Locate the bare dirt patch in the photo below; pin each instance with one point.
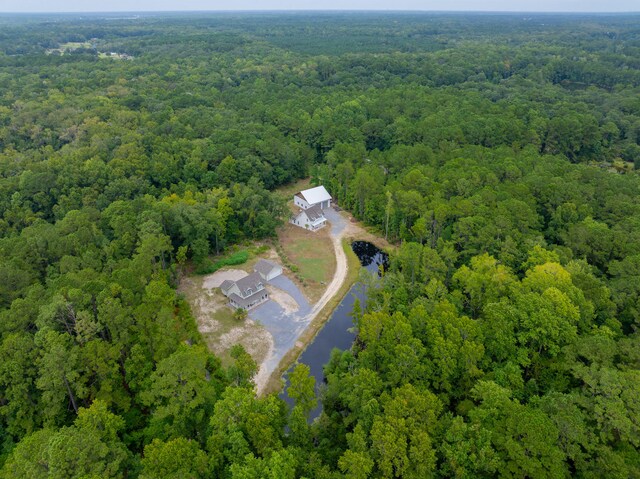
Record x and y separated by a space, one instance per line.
216 279
283 298
255 339
215 320
356 230
208 307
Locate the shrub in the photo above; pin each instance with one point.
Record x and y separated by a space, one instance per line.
208 267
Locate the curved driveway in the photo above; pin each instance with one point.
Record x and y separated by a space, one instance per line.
285 327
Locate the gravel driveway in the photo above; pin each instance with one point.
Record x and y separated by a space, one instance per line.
338 223
286 327
290 287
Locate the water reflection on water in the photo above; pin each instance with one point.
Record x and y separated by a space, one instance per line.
370 255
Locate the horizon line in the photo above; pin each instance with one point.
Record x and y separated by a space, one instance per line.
320 10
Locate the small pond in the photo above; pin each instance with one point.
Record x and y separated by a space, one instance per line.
335 332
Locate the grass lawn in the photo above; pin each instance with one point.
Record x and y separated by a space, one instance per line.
312 252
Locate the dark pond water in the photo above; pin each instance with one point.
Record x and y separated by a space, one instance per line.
335 333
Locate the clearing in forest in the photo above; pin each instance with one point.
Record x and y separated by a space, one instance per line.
315 276
312 253
271 329
287 191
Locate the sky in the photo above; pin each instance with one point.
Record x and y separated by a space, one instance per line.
426 5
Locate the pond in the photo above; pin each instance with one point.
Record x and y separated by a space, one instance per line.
336 331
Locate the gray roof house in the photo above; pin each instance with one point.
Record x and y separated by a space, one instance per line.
245 293
226 286
311 218
267 270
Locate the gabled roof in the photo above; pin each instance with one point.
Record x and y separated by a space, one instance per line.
315 195
314 213
227 284
245 302
264 267
252 282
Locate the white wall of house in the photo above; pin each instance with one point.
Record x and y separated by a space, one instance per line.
300 202
258 300
277 271
303 221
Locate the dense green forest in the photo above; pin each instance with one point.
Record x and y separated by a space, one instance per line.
499 152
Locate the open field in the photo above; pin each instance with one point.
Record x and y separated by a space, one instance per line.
74 45
68 47
312 253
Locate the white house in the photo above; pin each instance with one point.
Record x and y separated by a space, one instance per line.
311 218
267 270
315 196
245 293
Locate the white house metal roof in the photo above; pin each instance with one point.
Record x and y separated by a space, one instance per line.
315 195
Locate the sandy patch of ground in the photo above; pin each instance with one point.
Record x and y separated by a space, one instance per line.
215 320
272 255
216 279
283 298
204 304
206 308
262 377
358 232
255 339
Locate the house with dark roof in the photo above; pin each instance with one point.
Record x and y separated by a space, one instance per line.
246 292
267 270
311 218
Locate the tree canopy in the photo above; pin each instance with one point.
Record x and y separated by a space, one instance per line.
499 153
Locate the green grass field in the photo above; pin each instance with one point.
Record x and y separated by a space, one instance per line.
312 253
315 264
